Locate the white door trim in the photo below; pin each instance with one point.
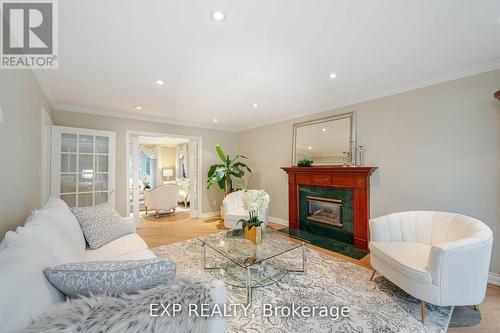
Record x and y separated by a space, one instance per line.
45 156
129 133
56 158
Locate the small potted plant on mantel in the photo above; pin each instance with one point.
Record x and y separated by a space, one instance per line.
254 201
304 162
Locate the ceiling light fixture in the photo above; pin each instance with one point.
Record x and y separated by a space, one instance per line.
332 75
218 15
215 120
138 107
160 82
323 129
310 148
255 105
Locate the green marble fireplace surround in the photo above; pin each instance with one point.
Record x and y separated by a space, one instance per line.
346 232
338 239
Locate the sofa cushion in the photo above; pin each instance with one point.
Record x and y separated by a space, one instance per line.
408 258
99 278
24 290
123 245
48 232
137 255
100 224
59 211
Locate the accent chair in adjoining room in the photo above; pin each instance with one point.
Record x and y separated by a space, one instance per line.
437 257
162 197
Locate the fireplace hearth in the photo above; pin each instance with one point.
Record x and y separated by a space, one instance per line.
325 210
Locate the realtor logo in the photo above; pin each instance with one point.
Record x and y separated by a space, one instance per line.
29 34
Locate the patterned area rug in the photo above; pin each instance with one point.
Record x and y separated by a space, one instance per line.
377 306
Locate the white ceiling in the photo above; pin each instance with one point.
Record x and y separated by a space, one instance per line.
275 53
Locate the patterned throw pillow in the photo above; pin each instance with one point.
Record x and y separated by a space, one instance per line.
111 278
100 224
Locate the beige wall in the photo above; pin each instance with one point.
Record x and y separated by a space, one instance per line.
437 148
211 199
168 159
21 99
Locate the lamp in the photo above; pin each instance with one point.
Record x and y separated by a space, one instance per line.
168 173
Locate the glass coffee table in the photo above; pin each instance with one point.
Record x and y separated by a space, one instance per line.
248 265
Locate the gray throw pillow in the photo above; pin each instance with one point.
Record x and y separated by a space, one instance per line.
111 278
100 224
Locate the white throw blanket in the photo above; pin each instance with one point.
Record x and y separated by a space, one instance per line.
129 313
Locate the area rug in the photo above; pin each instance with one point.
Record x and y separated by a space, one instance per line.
377 306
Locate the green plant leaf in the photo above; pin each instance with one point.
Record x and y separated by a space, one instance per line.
212 169
243 165
237 172
221 153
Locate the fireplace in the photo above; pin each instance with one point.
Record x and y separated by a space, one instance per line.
344 215
324 210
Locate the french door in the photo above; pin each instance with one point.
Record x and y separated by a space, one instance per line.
83 166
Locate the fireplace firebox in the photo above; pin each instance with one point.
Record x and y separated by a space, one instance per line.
325 210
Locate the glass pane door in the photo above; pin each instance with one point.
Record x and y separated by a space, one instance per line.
84 174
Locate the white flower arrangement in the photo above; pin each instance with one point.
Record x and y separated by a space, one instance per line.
253 202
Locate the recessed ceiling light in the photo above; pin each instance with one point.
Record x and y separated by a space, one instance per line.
138 107
332 75
255 105
160 82
310 148
215 120
323 129
218 15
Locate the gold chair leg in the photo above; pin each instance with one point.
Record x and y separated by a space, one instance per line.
422 310
372 275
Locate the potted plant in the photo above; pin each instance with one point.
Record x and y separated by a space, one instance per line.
222 173
304 162
254 201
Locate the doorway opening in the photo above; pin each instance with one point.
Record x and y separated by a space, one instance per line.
163 174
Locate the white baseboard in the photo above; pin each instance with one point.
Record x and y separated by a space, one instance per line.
210 214
278 220
494 278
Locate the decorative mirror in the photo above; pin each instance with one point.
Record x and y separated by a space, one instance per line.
326 141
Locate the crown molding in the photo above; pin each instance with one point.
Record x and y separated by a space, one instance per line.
132 116
460 74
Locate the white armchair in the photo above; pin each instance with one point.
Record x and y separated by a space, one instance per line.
232 205
437 257
184 191
162 197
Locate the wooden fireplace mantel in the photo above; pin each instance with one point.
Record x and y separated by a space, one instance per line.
355 178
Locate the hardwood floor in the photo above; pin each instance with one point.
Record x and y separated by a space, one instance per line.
170 229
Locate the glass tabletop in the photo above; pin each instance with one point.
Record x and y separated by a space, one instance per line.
233 245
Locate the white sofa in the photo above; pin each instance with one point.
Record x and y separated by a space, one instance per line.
50 237
437 257
162 197
233 211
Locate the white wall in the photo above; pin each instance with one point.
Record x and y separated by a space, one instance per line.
437 148
21 99
211 199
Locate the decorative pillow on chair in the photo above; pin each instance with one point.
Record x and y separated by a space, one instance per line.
100 224
111 278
